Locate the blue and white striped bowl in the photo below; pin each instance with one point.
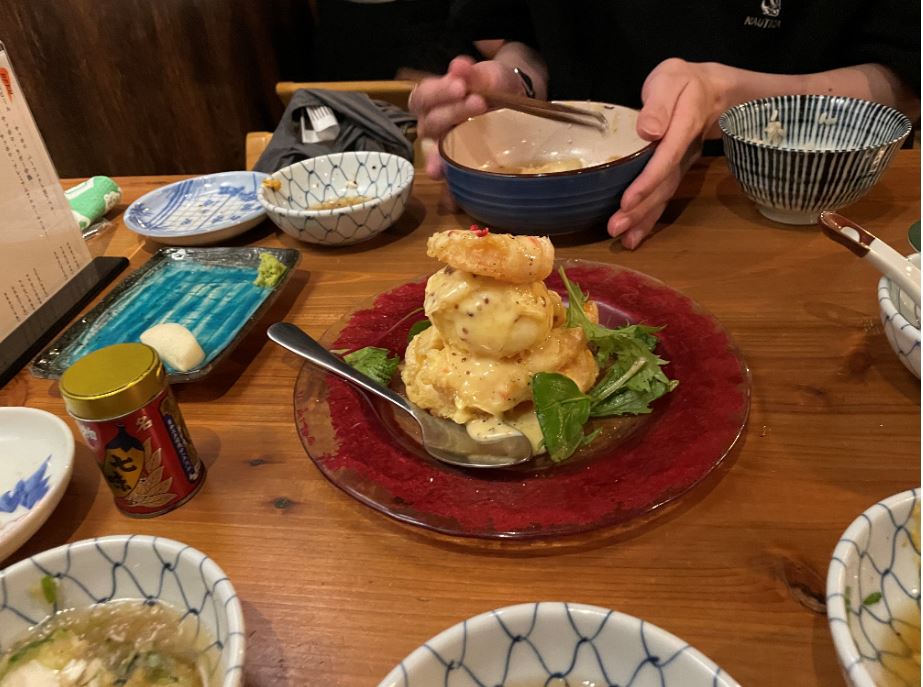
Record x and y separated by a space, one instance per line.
554 643
830 151
873 594
900 318
149 569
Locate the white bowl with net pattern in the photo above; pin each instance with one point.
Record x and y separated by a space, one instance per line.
338 199
148 569
873 594
556 643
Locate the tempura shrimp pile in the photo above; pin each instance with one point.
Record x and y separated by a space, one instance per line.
494 325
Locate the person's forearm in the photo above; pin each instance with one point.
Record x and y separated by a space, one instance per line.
520 55
866 81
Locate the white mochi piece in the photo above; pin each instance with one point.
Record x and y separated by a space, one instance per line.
175 345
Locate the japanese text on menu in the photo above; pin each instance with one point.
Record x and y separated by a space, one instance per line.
41 247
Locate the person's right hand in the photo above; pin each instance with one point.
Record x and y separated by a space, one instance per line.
444 101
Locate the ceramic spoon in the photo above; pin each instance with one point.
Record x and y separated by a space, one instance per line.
444 440
887 260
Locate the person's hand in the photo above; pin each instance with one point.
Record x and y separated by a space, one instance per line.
442 102
682 102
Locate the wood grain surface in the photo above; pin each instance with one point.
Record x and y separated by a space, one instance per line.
336 594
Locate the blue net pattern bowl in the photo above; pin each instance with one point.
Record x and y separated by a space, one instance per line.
383 180
150 569
873 594
549 643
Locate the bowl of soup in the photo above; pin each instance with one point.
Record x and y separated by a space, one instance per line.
873 595
520 173
120 610
556 643
338 199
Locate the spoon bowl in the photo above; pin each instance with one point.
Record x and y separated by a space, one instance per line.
446 441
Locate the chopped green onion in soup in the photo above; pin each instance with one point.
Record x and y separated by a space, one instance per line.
123 643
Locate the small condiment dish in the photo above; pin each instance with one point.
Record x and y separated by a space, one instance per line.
555 643
338 199
149 569
873 594
36 462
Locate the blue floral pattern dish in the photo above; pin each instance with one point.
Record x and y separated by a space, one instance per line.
555 643
36 461
873 594
149 569
199 211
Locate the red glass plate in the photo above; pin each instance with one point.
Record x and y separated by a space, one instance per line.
636 465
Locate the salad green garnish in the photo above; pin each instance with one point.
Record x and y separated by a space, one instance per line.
375 363
631 381
418 327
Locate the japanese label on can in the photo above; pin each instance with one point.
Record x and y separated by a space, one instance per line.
147 457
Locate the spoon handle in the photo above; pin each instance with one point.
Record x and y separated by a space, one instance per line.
297 341
866 245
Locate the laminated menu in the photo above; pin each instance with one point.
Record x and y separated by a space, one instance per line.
46 272
41 247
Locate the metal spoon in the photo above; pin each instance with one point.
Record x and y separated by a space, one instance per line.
443 439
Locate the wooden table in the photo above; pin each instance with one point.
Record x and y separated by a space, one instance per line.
336 594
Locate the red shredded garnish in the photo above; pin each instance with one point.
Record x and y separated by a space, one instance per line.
479 231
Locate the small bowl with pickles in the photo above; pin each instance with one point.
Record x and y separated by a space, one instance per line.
338 199
124 610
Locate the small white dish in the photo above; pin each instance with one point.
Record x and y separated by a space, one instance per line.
548 643
873 590
379 185
200 211
36 462
150 569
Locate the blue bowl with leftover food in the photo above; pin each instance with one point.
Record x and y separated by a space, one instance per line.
519 173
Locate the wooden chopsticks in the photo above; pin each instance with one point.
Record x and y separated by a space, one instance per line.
542 108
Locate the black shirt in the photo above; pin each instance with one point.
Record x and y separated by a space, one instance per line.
604 49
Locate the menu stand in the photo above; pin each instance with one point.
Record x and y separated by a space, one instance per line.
30 337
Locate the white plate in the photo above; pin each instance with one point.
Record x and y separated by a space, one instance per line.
199 211
36 461
549 642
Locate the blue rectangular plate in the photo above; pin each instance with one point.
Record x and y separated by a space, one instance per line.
209 291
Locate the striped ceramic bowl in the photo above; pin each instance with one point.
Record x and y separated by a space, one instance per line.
796 155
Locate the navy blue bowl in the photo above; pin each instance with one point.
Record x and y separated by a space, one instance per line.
494 167
797 155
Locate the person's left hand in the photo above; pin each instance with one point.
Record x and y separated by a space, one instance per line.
682 101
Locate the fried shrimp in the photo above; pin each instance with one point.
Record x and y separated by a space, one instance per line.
513 259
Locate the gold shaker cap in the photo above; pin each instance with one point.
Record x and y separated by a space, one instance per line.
112 381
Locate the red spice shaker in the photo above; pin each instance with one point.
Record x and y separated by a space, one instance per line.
127 414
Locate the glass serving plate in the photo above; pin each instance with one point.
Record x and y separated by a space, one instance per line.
636 465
